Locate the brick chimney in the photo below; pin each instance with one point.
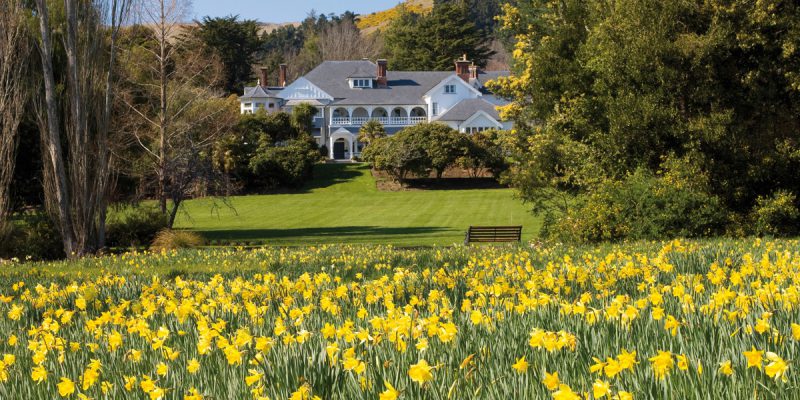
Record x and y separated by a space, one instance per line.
382 67
262 77
462 68
282 75
473 72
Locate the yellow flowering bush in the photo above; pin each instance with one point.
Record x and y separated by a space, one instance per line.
346 322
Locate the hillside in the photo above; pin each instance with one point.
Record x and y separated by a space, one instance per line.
263 27
369 23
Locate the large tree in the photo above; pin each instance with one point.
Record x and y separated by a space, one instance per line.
236 43
77 181
433 41
175 111
483 13
603 90
14 50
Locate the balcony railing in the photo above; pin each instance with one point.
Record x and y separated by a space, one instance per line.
387 121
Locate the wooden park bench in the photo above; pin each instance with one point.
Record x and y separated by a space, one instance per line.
489 234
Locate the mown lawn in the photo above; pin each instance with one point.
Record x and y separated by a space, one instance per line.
343 205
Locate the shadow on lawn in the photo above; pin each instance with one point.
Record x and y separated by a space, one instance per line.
326 175
343 232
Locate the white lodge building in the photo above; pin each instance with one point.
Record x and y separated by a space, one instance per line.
349 93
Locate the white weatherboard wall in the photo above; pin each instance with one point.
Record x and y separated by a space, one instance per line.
260 103
446 101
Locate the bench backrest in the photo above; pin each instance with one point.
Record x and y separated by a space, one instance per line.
494 234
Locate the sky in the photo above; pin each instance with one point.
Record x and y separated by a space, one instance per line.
284 10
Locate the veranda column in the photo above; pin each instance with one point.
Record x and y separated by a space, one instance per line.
408 114
351 148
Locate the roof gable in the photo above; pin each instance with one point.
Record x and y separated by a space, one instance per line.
481 113
302 88
453 78
466 109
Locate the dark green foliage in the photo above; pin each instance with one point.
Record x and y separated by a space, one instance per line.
483 152
619 87
640 206
236 42
260 153
134 227
776 215
443 145
416 150
32 235
434 41
303 118
399 156
482 12
289 164
277 46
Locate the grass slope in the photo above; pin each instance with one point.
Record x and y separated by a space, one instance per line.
342 205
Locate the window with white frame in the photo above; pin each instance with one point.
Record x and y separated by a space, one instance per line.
434 109
362 83
449 89
476 129
271 105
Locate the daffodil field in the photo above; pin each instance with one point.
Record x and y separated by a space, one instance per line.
672 320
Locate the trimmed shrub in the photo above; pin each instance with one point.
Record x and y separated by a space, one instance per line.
483 153
169 239
399 156
289 165
776 215
443 145
134 227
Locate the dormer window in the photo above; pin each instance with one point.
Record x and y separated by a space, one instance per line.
449 89
362 83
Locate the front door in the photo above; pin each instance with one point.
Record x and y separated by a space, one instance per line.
338 150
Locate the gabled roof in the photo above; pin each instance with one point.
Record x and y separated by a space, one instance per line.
330 79
258 92
404 87
467 108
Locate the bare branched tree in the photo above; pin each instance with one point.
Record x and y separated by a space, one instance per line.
78 181
338 40
190 169
344 41
14 50
163 18
176 77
